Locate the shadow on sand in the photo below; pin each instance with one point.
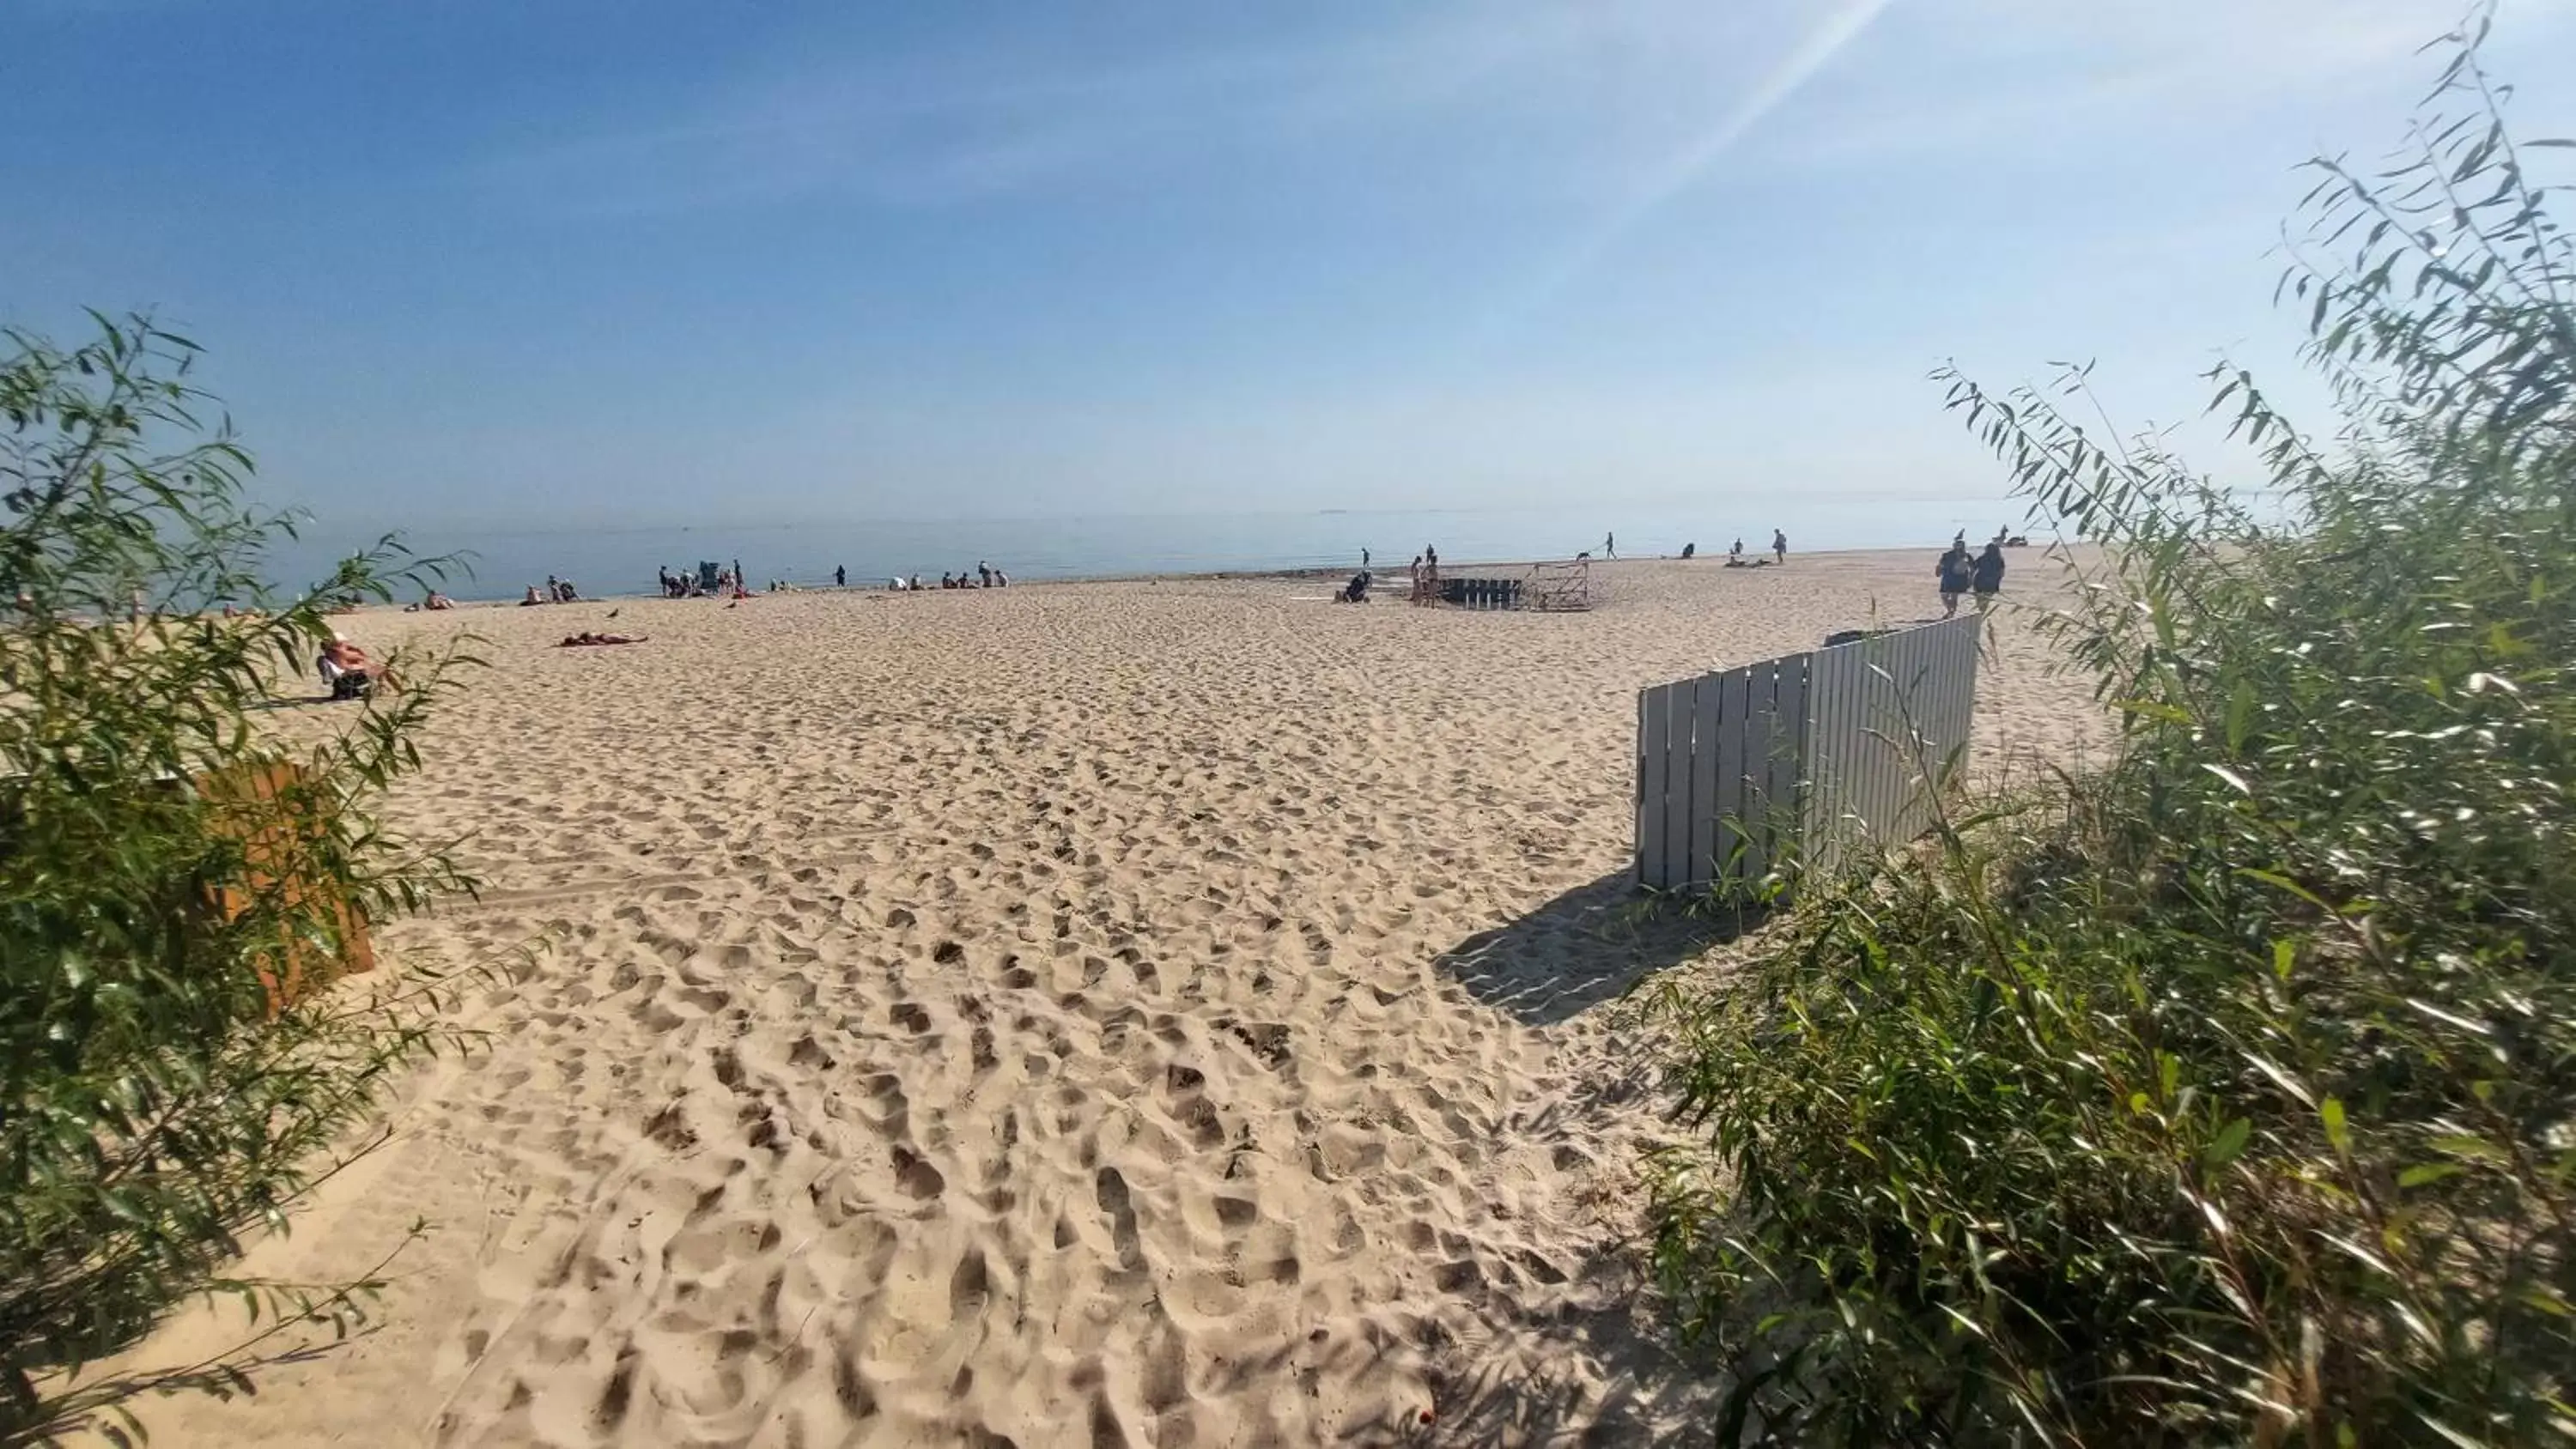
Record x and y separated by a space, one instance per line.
1650 1396
1585 947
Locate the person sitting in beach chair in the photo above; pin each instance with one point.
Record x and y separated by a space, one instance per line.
346 670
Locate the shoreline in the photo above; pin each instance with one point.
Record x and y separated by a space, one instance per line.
1448 568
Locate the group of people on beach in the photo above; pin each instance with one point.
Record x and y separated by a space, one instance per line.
726 584
985 577
1961 573
557 591
1735 558
1425 572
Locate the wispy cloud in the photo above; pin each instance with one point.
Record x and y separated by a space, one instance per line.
2037 73
1614 107
941 129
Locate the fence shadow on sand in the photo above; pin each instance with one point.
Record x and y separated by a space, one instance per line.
1585 947
1646 1394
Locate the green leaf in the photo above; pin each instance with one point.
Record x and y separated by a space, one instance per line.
2280 1078
2228 1144
2330 1111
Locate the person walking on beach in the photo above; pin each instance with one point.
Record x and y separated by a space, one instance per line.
1780 545
840 577
1609 545
1952 571
1987 576
1363 560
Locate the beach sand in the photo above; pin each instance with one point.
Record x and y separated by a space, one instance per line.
1131 1013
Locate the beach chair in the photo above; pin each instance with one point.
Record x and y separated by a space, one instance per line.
342 683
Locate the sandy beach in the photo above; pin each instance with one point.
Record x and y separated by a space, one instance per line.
1176 1013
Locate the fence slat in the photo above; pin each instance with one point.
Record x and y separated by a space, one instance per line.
1641 812
1787 756
1708 710
1655 728
1829 791
1677 782
1733 843
1763 728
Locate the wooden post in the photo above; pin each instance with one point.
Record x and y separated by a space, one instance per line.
264 806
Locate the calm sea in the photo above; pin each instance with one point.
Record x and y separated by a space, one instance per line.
605 561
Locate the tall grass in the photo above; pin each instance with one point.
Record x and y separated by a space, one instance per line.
157 1102
2227 1094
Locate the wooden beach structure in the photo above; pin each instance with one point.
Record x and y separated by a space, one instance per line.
1544 587
1803 763
279 815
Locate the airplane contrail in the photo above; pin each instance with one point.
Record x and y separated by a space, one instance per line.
1677 174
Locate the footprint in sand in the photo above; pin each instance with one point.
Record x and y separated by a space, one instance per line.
1110 1188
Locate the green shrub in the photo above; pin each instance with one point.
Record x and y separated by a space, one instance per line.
149 1113
2228 1094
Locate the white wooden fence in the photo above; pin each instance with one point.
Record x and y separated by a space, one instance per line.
1800 761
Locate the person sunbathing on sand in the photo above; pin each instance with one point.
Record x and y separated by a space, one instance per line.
585 640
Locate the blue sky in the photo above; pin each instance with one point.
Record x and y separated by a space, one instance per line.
670 263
